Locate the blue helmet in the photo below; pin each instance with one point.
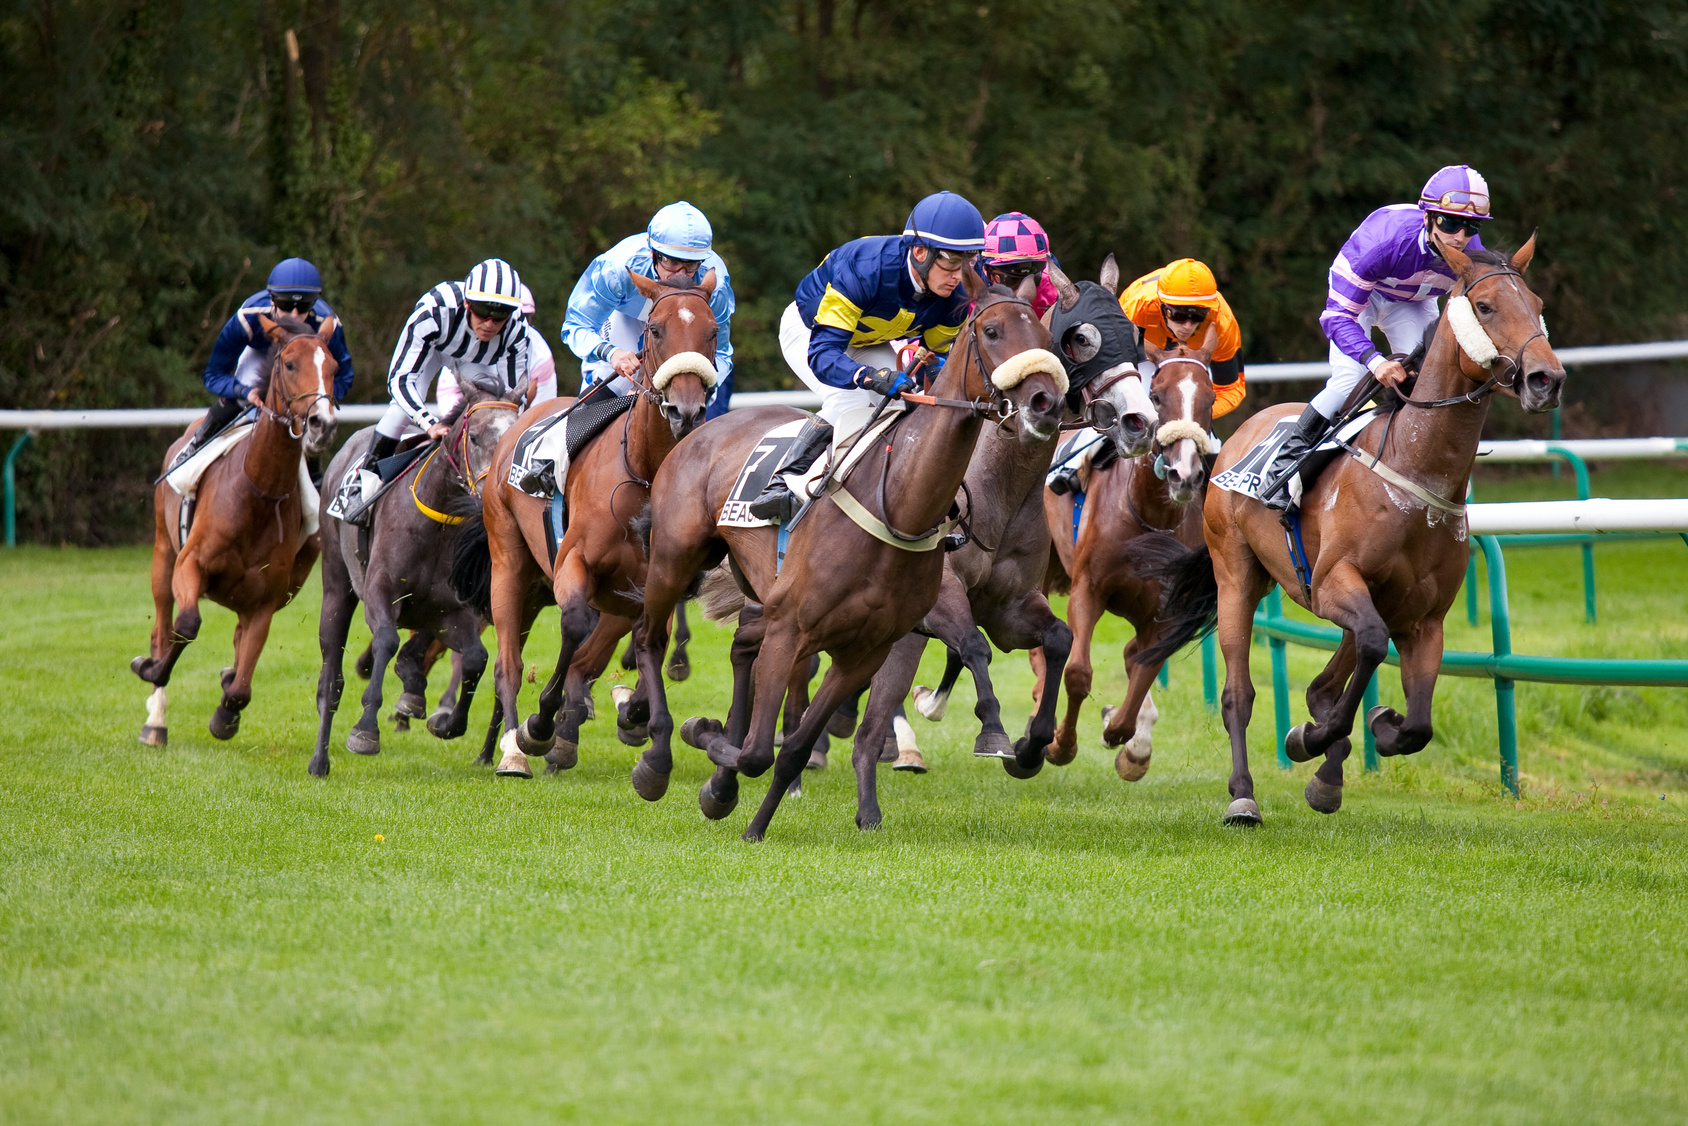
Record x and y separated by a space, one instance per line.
946 221
679 231
295 275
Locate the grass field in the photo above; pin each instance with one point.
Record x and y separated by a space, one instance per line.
206 934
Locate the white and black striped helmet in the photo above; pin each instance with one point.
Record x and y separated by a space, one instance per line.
494 280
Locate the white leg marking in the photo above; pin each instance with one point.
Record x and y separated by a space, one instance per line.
904 732
930 703
1140 746
157 705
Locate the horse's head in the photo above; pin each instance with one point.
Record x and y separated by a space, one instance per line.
1498 323
1182 393
479 421
1003 342
1099 347
301 382
678 356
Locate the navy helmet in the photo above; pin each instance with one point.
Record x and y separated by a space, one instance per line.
295 275
946 221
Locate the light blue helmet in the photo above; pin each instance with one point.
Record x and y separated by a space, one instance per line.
295 275
946 221
679 231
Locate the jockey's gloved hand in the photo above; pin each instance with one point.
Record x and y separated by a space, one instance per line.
884 381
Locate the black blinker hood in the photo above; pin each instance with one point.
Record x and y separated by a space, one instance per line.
1098 307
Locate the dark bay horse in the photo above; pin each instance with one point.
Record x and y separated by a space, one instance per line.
247 548
406 585
1386 546
843 589
1159 491
599 568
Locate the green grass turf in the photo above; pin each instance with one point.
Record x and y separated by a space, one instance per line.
206 934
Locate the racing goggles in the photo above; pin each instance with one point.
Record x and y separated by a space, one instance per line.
1460 202
293 302
1453 224
674 265
1013 273
1184 314
491 310
954 259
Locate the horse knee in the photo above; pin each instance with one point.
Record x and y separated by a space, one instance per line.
1371 643
1076 679
187 622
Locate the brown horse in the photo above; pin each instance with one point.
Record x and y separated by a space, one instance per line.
246 548
1160 491
843 589
1384 533
599 566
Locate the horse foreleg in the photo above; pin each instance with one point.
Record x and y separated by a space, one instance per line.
590 661
412 673
577 619
679 665
154 668
1421 657
1025 623
1133 722
339 603
669 573
1343 598
1327 687
1083 609
934 702
796 703
1241 582
468 664
747 643
237 692
365 736
889 686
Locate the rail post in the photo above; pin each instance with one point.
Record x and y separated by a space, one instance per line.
1280 677
1581 468
1506 715
12 486
1367 703
1210 675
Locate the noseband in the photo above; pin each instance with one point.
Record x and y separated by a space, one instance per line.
288 416
1510 367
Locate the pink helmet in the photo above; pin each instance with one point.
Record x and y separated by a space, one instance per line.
1015 237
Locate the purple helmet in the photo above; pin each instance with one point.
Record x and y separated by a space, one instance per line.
1458 189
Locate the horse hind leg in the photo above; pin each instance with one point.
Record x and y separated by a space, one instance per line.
1344 599
1133 722
339 603
878 725
934 702
155 732
680 665
408 664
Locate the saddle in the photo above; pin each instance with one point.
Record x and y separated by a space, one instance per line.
539 465
770 451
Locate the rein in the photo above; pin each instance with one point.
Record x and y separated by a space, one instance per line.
1490 385
469 480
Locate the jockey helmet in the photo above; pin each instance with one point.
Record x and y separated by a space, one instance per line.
494 280
946 221
1015 237
528 307
1458 189
295 275
679 231
1187 282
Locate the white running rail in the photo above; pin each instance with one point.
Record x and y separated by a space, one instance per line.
1597 514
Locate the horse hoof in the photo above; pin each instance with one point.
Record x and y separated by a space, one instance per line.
563 755
693 731
139 667
868 824
1375 714
1129 768
841 725
361 742
817 760
649 783
1015 770
751 836
155 736
317 769
910 761
401 722
412 706
1059 753
224 723
528 742
1244 812
439 725
226 677
713 806
633 736
1295 743
929 704
889 752
1322 796
679 670
514 763
795 790
994 744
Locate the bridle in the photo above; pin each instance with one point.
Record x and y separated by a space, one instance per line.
458 459
642 388
998 405
289 416
1509 368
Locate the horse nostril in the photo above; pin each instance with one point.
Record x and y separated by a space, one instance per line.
1134 425
1043 402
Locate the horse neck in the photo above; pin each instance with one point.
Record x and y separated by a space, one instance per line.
933 450
272 455
1003 471
1438 446
649 438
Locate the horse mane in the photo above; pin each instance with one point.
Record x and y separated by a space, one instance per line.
293 325
1491 257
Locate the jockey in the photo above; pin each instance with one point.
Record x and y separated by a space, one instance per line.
542 369
836 336
605 323
1016 247
1176 304
1387 275
240 359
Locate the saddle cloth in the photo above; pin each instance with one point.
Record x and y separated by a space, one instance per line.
186 484
185 477
1082 451
770 451
539 465
1248 476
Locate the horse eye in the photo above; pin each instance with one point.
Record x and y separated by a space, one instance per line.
990 331
1082 342
1483 308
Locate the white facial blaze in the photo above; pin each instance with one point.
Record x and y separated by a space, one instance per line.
685 316
1187 455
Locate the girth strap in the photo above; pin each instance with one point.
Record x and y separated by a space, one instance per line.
881 531
1375 464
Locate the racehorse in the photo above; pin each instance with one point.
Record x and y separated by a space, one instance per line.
861 567
405 583
247 548
1159 491
504 561
1383 530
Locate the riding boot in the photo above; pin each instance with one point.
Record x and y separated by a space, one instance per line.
1308 429
1064 480
777 502
366 482
222 412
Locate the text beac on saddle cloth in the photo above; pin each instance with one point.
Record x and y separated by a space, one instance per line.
770 451
1248 475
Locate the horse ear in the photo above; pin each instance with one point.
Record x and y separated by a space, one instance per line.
1210 341
326 332
645 285
973 283
708 282
1048 318
1064 286
1027 289
1521 259
1154 353
1110 275
272 330
1458 260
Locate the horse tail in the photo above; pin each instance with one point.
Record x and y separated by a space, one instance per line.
641 527
471 559
720 594
1189 595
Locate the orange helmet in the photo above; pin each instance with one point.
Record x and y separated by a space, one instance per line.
1188 282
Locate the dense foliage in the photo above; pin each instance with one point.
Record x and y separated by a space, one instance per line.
159 156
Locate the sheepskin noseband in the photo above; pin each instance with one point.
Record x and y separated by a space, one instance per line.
695 362
1011 372
1473 341
1179 429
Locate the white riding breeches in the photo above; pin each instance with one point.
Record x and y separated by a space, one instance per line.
845 409
1403 323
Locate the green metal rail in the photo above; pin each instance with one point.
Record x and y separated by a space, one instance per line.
1503 666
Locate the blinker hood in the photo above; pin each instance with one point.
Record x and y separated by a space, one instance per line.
1100 309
